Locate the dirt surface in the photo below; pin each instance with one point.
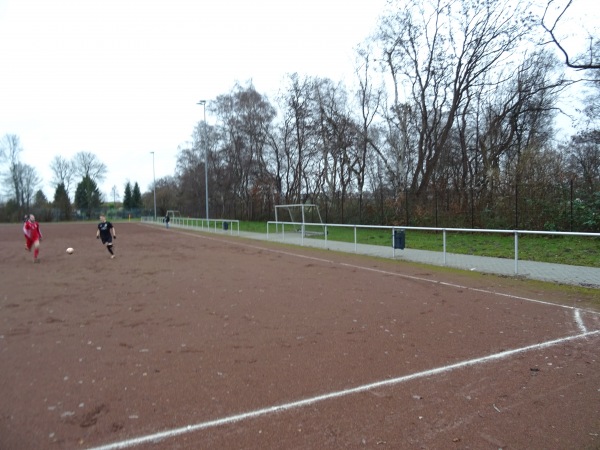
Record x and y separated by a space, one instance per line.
220 342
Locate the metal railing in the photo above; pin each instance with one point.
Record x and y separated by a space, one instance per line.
299 229
208 225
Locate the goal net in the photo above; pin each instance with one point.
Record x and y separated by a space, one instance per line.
173 213
305 217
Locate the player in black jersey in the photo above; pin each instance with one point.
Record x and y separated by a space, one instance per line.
106 233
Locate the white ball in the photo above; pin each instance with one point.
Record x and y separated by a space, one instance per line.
70 250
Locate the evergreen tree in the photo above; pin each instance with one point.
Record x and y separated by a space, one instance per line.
39 199
62 203
136 198
127 197
87 196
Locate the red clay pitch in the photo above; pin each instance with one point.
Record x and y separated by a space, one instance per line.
193 341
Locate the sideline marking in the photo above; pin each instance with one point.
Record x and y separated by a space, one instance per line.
385 272
579 321
460 286
577 311
156 437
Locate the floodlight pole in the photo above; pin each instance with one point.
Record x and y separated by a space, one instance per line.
154 185
203 104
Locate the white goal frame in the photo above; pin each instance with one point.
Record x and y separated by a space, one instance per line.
304 209
173 213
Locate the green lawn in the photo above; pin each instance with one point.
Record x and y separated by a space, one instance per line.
573 250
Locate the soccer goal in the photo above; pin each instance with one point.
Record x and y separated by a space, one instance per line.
173 213
306 217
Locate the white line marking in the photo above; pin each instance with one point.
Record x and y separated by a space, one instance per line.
301 403
577 311
332 395
459 286
412 277
579 321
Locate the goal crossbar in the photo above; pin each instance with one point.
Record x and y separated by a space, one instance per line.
302 210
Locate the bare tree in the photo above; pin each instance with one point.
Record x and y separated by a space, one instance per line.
114 191
517 115
10 150
236 150
370 100
436 51
190 173
583 156
245 118
63 172
166 195
24 182
5 144
337 133
87 164
301 150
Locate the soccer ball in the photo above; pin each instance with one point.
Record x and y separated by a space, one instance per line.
70 250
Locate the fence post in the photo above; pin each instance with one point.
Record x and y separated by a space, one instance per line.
516 252
444 240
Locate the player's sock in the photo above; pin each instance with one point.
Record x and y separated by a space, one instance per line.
109 247
36 252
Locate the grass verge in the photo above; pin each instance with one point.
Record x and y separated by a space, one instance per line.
572 250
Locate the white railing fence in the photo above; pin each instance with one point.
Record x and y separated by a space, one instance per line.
295 229
317 234
210 225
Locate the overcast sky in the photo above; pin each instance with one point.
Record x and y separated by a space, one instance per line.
121 78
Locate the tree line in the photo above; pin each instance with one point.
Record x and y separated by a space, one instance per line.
21 183
450 122
450 119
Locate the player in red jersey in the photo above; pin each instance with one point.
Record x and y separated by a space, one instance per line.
33 236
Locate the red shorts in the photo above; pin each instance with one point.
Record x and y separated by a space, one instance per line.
29 243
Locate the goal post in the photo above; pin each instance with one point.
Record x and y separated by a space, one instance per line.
173 213
305 215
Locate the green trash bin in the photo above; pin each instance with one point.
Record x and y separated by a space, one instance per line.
226 226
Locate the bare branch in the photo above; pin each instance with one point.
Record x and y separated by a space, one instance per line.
551 30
